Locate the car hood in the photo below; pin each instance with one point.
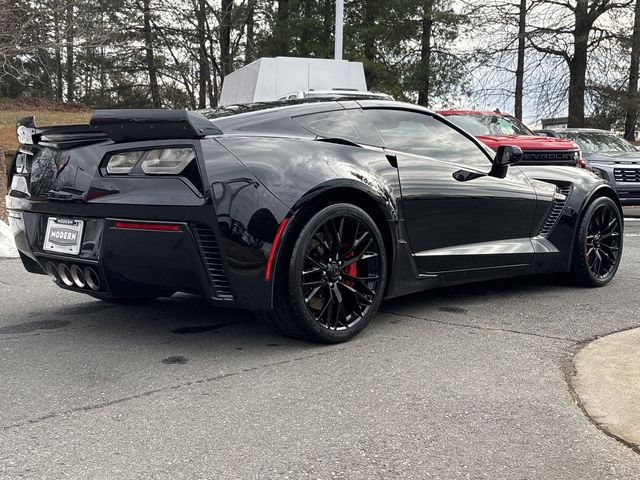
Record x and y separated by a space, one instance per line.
527 142
613 157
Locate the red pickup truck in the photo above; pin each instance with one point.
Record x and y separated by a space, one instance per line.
495 129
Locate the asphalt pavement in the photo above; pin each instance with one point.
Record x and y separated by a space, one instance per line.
466 382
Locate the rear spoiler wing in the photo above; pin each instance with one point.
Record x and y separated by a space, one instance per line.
120 126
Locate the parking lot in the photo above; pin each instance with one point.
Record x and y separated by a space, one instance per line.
466 382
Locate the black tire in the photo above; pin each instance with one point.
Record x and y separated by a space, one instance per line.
598 244
339 296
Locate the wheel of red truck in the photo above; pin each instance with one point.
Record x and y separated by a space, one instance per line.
331 277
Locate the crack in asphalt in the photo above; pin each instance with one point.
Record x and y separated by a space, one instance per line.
477 327
148 393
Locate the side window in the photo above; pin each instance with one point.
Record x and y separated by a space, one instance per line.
422 134
348 124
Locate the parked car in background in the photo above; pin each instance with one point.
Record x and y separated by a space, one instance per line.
609 156
496 129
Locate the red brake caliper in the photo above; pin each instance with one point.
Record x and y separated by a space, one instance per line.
351 270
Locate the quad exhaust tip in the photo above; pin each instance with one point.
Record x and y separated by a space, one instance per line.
74 276
52 271
65 275
92 279
77 275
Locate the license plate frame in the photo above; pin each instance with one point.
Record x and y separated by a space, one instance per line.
63 235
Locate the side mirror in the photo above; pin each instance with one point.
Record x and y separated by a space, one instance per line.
505 156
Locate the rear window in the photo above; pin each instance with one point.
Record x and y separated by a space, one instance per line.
346 124
599 142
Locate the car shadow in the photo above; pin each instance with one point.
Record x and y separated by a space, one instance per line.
189 321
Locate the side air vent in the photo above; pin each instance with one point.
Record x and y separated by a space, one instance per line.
557 207
212 261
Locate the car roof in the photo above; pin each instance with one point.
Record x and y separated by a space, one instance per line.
308 104
473 112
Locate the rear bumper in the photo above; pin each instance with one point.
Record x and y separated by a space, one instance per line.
130 263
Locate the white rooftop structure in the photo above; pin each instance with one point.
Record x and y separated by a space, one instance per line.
269 79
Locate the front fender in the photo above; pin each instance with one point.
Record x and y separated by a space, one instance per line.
585 187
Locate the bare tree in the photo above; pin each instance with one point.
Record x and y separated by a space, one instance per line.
568 29
633 102
150 55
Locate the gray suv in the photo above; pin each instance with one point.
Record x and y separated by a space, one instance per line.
609 156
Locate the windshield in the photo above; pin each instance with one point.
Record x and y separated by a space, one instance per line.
486 124
592 142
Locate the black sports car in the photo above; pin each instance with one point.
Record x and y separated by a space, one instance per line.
309 213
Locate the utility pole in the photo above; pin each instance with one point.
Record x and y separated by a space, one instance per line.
339 28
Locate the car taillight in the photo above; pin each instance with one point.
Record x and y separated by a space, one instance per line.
159 161
157 227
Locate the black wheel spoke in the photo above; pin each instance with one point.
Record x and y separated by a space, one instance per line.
339 309
327 304
360 256
318 265
312 271
313 293
359 281
359 296
356 245
322 241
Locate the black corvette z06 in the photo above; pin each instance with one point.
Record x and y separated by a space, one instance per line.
309 213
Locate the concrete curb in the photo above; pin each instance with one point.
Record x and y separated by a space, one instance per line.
631 212
607 383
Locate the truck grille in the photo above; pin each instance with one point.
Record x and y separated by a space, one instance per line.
557 207
541 157
213 261
626 174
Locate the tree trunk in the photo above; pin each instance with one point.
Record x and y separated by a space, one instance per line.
249 51
305 38
69 39
520 64
202 55
369 41
281 30
578 66
225 38
425 54
58 54
150 58
633 99
328 19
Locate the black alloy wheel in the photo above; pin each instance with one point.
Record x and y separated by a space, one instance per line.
599 243
341 272
335 279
